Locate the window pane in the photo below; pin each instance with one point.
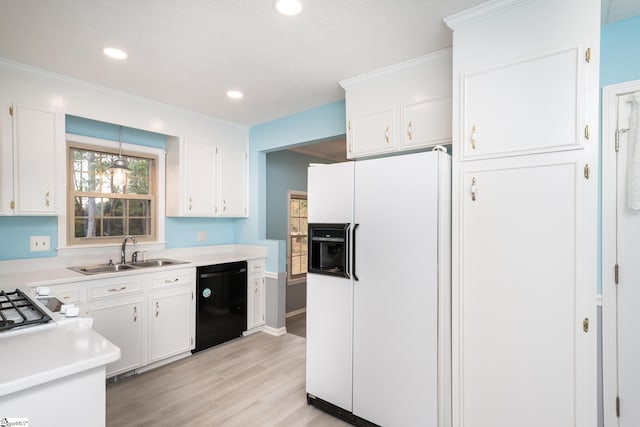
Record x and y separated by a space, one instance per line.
294 225
295 265
295 208
139 207
113 227
140 226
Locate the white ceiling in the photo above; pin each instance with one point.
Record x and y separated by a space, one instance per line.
189 53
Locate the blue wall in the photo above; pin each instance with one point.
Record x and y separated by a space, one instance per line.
286 170
322 123
620 52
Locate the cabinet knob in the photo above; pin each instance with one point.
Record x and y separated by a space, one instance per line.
474 181
474 145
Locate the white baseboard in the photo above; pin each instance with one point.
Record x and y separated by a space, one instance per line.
296 312
273 331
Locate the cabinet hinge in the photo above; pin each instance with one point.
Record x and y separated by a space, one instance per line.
587 171
349 125
12 204
585 325
246 156
216 150
191 340
587 55
617 140
192 295
616 273
587 133
618 406
11 110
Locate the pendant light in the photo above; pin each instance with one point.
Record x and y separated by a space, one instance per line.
119 167
119 163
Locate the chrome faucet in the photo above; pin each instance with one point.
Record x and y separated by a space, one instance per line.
123 258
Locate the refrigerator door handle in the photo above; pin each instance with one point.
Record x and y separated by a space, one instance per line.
353 253
346 257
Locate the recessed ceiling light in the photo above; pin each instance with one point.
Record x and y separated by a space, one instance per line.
114 53
289 7
235 94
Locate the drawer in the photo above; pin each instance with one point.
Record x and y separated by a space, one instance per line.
256 267
114 289
179 278
67 296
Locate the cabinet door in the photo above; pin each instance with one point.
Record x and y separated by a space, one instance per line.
121 323
199 178
426 123
170 318
521 295
370 134
530 106
232 200
257 302
35 135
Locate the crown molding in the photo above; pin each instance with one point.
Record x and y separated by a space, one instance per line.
481 11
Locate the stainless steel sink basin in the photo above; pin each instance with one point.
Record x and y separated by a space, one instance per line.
112 268
157 262
101 268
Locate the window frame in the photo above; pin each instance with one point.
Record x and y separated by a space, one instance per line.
67 242
302 277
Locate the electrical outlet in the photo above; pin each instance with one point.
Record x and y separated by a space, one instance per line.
202 236
40 243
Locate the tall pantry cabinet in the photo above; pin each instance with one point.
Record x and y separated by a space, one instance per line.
525 120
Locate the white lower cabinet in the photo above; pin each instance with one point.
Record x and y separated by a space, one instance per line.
151 317
255 294
121 322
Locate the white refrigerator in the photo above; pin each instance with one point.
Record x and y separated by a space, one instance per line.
378 341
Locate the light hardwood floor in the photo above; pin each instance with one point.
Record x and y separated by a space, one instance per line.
258 380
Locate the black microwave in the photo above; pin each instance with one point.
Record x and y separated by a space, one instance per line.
329 249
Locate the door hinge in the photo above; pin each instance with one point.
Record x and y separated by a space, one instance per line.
616 272
587 171
585 325
587 55
618 406
11 110
587 133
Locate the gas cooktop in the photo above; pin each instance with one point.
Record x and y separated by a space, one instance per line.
17 310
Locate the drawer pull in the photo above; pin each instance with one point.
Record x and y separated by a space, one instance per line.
66 297
172 281
122 288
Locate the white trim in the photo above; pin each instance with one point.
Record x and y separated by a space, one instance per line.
393 68
609 291
271 275
296 312
159 153
479 12
277 332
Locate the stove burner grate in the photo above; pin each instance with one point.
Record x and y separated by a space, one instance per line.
18 310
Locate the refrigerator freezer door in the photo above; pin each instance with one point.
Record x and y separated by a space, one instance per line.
395 340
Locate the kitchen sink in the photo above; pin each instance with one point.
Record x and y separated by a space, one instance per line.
101 268
158 262
112 268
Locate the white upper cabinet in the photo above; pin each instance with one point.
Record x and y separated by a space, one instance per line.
205 180
33 146
232 191
403 107
522 79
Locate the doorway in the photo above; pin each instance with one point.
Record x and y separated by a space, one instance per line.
620 246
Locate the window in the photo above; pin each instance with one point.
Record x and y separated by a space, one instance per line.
103 207
297 235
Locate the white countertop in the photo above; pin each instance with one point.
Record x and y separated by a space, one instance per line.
52 271
48 354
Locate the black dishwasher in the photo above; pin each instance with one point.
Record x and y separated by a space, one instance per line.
221 311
